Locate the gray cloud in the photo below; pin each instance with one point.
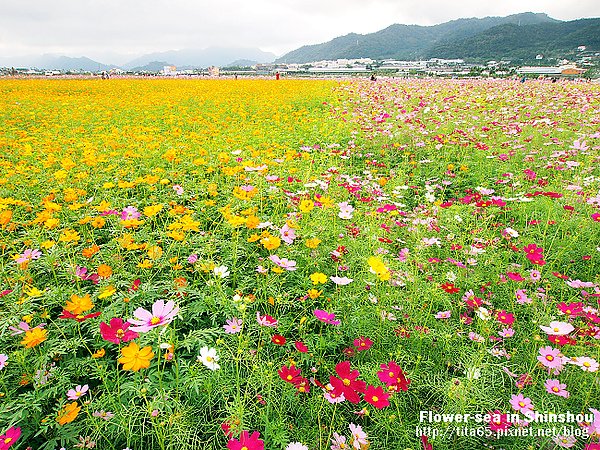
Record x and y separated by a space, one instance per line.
106 28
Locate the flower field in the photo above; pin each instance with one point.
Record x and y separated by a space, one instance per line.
299 264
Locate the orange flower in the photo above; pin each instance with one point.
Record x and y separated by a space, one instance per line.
34 337
90 251
78 305
68 414
135 359
104 271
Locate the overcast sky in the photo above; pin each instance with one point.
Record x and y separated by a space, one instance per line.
122 29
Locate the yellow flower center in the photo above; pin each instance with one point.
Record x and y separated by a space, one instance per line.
587 364
346 382
155 320
120 333
391 374
7 440
521 404
375 398
244 448
290 378
556 329
550 357
555 389
209 358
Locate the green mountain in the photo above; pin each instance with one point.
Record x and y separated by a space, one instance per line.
470 39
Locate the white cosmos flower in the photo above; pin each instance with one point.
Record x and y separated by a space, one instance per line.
221 271
209 357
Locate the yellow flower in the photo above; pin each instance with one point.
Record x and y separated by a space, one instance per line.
271 242
318 278
107 292
98 222
155 252
51 223
69 236
46 245
313 293
153 210
135 359
146 264
306 206
34 337
78 305
313 242
378 268
68 414
252 222
176 235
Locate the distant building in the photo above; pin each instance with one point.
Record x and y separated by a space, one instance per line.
581 48
539 56
169 70
213 71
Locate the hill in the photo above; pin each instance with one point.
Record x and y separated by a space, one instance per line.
516 36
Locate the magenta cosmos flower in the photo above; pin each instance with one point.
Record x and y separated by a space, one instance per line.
326 317
247 441
162 314
117 331
9 438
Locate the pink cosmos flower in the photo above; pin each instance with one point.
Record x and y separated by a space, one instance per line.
586 364
324 316
507 332
178 189
551 358
443 315
594 427
332 396
558 328
556 387
522 297
233 326
565 441
359 437
192 258
3 359
130 213
287 234
79 391
521 404
162 314
284 263
106 415
338 442
29 255
346 211
341 281
23 327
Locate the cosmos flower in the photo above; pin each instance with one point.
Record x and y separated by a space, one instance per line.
558 328
209 357
162 314
135 358
557 388
233 325
325 317
117 331
341 281
76 393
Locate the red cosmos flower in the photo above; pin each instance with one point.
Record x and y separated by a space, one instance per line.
392 375
499 421
596 217
289 374
347 384
278 339
571 309
562 340
301 347
560 275
515 276
425 442
349 352
362 343
78 317
10 438
135 286
247 441
117 331
226 427
450 288
505 317
302 385
377 397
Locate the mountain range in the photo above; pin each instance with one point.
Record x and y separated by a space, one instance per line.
183 59
519 37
